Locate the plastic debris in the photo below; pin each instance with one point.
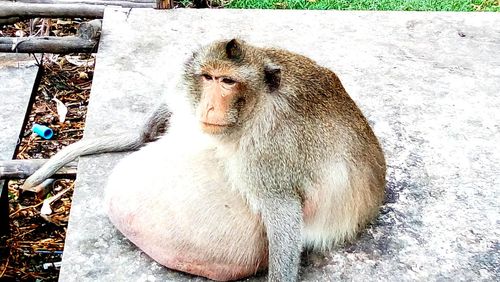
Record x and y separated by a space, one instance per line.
48 265
43 131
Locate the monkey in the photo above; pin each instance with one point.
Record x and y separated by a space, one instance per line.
265 155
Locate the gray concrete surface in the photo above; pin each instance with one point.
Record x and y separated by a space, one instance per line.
17 77
428 82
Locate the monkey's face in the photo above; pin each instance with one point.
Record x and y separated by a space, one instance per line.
226 82
220 102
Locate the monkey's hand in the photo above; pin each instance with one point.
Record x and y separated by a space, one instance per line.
282 217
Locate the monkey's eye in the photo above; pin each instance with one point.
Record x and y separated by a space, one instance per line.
206 76
228 81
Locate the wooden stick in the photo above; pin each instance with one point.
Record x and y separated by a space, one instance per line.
90 30
19 169
123 3
22 10
47 44
11 20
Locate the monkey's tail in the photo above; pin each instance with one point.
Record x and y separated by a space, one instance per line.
103 144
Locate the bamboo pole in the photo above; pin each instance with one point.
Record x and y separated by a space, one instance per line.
24 10
19 169
48 44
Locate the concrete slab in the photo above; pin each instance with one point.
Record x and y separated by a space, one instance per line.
17 77
428 82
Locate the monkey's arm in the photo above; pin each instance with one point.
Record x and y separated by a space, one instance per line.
282 217
153 127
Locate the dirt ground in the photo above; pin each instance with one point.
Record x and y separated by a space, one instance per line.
34 249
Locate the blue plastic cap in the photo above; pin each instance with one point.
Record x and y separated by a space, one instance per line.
43 131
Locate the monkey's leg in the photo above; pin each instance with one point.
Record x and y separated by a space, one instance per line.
183 215
343 200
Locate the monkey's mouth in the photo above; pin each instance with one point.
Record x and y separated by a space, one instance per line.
215 128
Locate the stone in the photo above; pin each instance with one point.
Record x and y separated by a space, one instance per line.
429 84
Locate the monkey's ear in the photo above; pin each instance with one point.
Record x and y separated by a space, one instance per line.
234 50
272 76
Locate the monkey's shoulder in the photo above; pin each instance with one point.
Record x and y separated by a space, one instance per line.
305 72
291 60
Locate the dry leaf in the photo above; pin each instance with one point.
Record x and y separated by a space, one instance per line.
83 75
20 33
62 110
77 61
63 22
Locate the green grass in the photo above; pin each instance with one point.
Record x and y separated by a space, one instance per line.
383 5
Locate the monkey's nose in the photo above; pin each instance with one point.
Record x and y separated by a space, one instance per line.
209 110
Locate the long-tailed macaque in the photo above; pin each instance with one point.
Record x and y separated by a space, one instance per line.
265 155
